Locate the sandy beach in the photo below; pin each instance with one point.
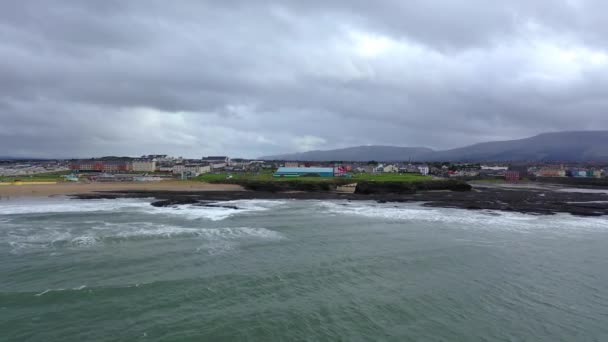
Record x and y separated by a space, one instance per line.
68 188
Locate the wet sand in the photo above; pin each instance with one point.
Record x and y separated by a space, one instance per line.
68 188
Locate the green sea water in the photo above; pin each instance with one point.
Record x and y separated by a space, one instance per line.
122 270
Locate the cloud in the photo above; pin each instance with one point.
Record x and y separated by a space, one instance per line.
257 78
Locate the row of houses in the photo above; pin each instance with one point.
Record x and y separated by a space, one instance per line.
294 168
164 164
570 172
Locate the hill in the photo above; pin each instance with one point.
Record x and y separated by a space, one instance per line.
558 146
359 153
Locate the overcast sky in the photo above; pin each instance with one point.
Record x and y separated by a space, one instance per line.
250 78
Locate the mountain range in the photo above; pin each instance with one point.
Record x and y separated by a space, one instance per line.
558 146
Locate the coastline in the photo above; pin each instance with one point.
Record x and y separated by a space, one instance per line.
67 188
538 199
528 201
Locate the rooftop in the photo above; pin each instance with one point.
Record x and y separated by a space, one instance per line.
304 169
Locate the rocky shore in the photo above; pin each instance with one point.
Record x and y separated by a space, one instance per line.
525 200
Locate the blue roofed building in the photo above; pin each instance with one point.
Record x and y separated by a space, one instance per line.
304 171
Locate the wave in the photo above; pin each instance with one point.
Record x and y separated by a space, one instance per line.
78 288
218 213
58 237
484 219
191 212
70 206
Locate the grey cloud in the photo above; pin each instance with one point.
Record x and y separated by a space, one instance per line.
257 78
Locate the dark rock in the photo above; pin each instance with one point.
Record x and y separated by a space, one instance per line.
518 200
174 201
219 206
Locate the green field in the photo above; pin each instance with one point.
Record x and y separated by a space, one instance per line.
391 177
34 178
268 176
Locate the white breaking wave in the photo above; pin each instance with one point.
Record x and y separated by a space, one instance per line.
59 237
217 213
70 206
78 288
191 212
484 219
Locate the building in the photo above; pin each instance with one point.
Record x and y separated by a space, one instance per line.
101 165
340 170
116 166
494 168
218 166
390 169
410 168
365 169
304 171
551 172
598 173
217 160
144 165
424 170
512 176
292 164
191 169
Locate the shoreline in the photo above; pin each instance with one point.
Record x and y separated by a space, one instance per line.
68 189
524 201
538 199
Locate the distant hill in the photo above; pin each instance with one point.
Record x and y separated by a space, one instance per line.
559 146
359 153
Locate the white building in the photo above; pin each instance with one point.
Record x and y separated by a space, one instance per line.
144 165
494 168
424 169
217 160
390 169
217 166
192 169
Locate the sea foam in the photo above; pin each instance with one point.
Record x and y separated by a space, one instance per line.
465 219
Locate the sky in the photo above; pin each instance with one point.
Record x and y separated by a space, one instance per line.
253 78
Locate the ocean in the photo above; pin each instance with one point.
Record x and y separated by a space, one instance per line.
122 270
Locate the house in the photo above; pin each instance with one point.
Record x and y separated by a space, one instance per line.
390 169
410 168
217 166
217 160
424 170
598 173
551 172
191 169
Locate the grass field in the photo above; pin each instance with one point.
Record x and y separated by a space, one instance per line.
38 177
267 176
34 178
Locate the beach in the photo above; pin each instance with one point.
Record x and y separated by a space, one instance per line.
70 188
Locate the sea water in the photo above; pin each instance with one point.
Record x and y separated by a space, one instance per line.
108 270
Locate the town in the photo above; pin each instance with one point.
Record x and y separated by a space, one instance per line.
160 167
